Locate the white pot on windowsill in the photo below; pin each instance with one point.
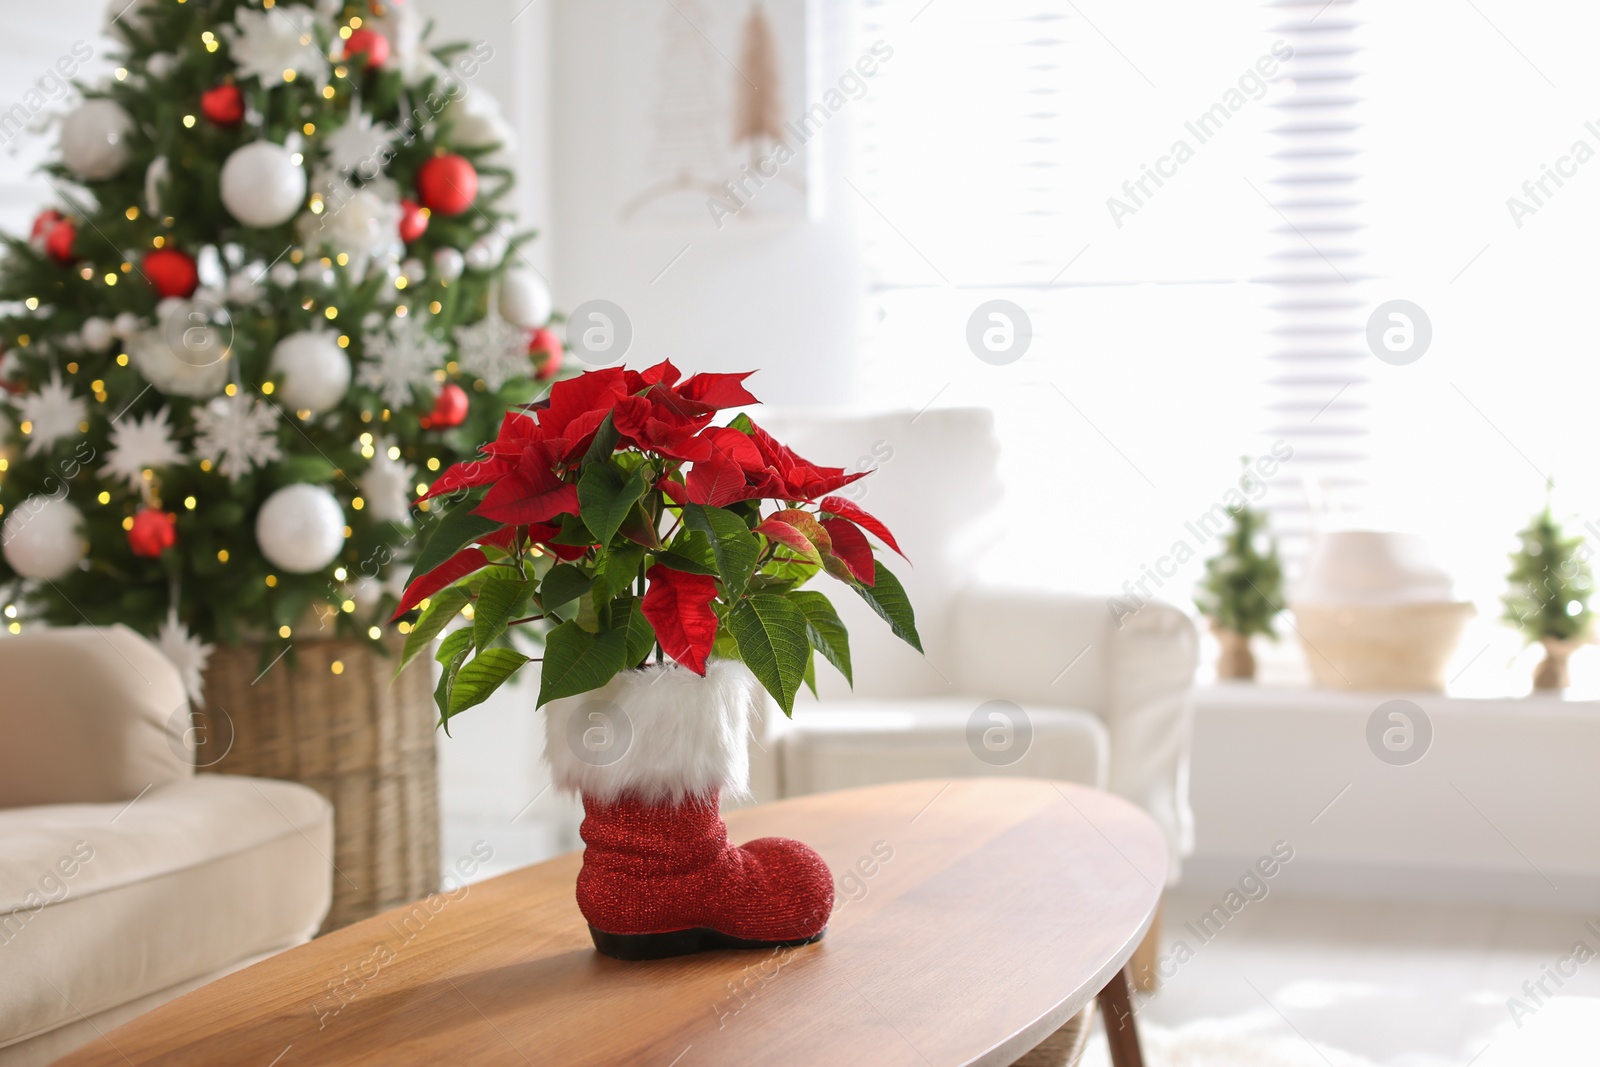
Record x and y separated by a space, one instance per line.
1375 612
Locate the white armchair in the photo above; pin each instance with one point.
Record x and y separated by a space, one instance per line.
1101 702
125 878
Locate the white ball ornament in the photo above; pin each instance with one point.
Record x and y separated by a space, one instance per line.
43 538
525 298
414 272
160 64
316 274
315 372
487 251
125 325
94 139
283 275
186 355
300 528
157 173
263 185
448 264
97 333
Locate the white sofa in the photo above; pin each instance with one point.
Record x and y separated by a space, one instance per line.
1106 704
125 878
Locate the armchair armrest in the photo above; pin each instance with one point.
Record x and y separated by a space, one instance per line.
1135 672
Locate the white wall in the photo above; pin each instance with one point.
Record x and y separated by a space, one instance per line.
778 296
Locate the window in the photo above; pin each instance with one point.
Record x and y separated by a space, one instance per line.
1183 322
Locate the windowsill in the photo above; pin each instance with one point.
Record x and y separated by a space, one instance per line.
1490 663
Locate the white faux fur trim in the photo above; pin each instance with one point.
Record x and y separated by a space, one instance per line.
660 733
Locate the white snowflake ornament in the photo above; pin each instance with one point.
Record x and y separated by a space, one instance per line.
401 359
237 433
387 485
54 412
186 652
267 43
493 349
137 443
359 146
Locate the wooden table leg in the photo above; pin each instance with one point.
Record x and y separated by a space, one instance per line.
1116 1011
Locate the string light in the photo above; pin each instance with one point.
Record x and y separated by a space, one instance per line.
358 503
267 388
188 122
374 633
104 497
189 502
222 556
284 631
344 341
337 667
340 574
272 581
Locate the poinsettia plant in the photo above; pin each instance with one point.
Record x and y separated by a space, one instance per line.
616 519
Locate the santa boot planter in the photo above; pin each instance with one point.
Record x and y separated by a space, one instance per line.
650 753
641 539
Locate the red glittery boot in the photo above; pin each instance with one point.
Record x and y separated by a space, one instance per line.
649 754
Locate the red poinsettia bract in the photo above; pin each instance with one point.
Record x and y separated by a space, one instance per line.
617 464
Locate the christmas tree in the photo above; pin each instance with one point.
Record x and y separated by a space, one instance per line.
1549 583
1242 590
278 293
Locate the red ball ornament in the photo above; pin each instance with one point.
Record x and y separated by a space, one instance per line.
59 241
449 408
223 106
43 225
545 348
152 533
413 220
447 184
374 45
173 273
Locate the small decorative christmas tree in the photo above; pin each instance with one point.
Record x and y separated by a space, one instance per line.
1242 590
1548 595
277 297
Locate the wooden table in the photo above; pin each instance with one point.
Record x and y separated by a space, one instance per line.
974 917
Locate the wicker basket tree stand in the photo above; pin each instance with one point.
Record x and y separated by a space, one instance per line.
333 721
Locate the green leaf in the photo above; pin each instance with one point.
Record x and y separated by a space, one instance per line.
564 584
459 528
497 599
604 443
734 547
482 675
687 564
605 496
888 598
639 528
811 672
825 630
618 569
641 637
576 661
772 642
442 607
453 648
451 652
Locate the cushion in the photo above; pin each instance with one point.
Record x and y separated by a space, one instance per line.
839 744
110 902
63 742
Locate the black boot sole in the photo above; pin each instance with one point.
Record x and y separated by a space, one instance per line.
680 943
